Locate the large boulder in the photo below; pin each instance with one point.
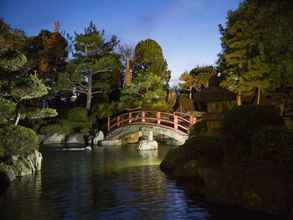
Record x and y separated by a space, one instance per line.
99 137
19 166
54 139
132 138
75 139
148 145
112 143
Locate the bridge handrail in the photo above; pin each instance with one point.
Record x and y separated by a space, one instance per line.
171 120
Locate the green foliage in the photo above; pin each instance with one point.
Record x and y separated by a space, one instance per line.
271 143
95 67
36 113
47 53
103 110
200 128
185 103
146 91
148 57
17 140
7 110
242 122
12 60
257 47
57 128
74 120
197 78
204 149
28 87
202 76
77 121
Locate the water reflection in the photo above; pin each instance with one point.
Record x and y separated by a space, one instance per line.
109 183
151 155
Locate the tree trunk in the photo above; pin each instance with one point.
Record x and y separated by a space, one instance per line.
89 93
17 118
258 96
190 93
238 99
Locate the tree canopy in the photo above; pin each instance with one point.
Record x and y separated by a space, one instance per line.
95 67
148 56
257 48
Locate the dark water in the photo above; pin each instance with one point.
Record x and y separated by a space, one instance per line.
115 183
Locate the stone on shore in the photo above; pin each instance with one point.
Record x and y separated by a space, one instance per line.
75 139
54 139
132 138
111 143
21 165
148 145
99 137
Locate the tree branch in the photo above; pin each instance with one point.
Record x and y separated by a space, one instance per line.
102 71
97 92
80 91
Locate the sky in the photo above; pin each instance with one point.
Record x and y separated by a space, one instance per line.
187 30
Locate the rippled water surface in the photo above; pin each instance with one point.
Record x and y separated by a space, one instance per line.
112 183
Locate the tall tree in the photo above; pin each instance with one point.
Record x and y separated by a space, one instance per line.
148 56
17 86
257 48
95 66
197 78
48 54
187 83
145 92
244 58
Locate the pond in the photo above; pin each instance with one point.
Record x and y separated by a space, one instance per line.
108 183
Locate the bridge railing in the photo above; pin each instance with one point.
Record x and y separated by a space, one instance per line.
176 121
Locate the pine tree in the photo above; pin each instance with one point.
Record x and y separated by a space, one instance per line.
95 67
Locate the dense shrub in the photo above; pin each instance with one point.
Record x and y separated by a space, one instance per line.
186 104
199 128
17 140
54 129
271 143
75 120
7 110
242 122
205 149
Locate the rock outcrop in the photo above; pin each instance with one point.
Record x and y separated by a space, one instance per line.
111 143
75 139
132 138
148 145
18 166
54 139
99 137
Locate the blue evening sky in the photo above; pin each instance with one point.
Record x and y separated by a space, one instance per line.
187 30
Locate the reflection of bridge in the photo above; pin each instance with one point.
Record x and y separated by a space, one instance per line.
172 125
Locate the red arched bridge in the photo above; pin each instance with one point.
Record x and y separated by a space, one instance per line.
173 125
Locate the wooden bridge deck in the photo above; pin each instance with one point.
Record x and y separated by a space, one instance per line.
177 121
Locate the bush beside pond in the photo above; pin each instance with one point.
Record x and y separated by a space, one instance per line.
247 165
17 140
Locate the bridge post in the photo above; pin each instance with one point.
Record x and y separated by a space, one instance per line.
175 121
129 117
118 121
192 120
143 116
158 116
